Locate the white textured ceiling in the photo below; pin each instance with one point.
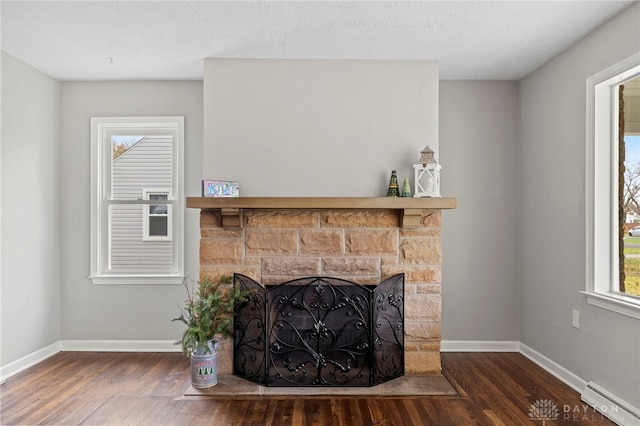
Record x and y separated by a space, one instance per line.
114 40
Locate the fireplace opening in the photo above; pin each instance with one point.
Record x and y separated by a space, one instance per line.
319 331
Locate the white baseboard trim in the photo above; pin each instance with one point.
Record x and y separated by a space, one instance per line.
604 402
478 346
86 346
610 405
559 372
119 346
27 361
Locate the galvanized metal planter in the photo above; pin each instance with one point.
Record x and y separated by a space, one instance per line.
204 365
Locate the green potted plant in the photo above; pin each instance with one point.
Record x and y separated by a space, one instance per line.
208 316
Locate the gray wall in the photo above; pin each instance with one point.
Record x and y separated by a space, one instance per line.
551 226
30 152
478 145
317 128
120 312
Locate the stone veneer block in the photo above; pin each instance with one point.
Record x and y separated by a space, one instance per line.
422 307
422 331
411 346
420 232
422 362
210 219
253 260
225 361
362 280
389 260
350 266
371 242
281 219
221 251
424 251
271 242
325 242
220 233
360 219
431 219
293 266
409 288
215 272
415 274
429 288
279 279
430 346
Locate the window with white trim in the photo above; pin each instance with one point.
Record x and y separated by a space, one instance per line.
609 282
137 178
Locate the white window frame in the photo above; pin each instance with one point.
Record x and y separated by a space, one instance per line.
102 128
146 192
602 253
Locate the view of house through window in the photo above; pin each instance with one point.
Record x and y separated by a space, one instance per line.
137 200
141 169
629 182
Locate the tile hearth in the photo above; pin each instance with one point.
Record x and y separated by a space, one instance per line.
231 386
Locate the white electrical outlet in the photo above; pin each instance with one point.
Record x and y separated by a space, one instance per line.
576 319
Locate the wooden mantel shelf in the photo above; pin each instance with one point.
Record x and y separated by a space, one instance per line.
411 207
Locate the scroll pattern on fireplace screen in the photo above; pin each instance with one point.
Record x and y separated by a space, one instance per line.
319 331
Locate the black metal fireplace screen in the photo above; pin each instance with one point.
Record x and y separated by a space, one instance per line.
319 331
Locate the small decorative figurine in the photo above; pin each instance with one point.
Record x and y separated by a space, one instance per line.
406 188
427 175
393 185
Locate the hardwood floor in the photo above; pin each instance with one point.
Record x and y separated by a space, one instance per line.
72 388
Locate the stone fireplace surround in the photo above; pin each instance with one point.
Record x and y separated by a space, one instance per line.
363 240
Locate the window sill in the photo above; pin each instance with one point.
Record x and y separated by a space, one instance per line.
624 305
137 279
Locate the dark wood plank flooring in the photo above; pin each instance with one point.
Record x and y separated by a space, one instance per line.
73 388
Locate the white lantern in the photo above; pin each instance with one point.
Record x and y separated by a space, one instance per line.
427 175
